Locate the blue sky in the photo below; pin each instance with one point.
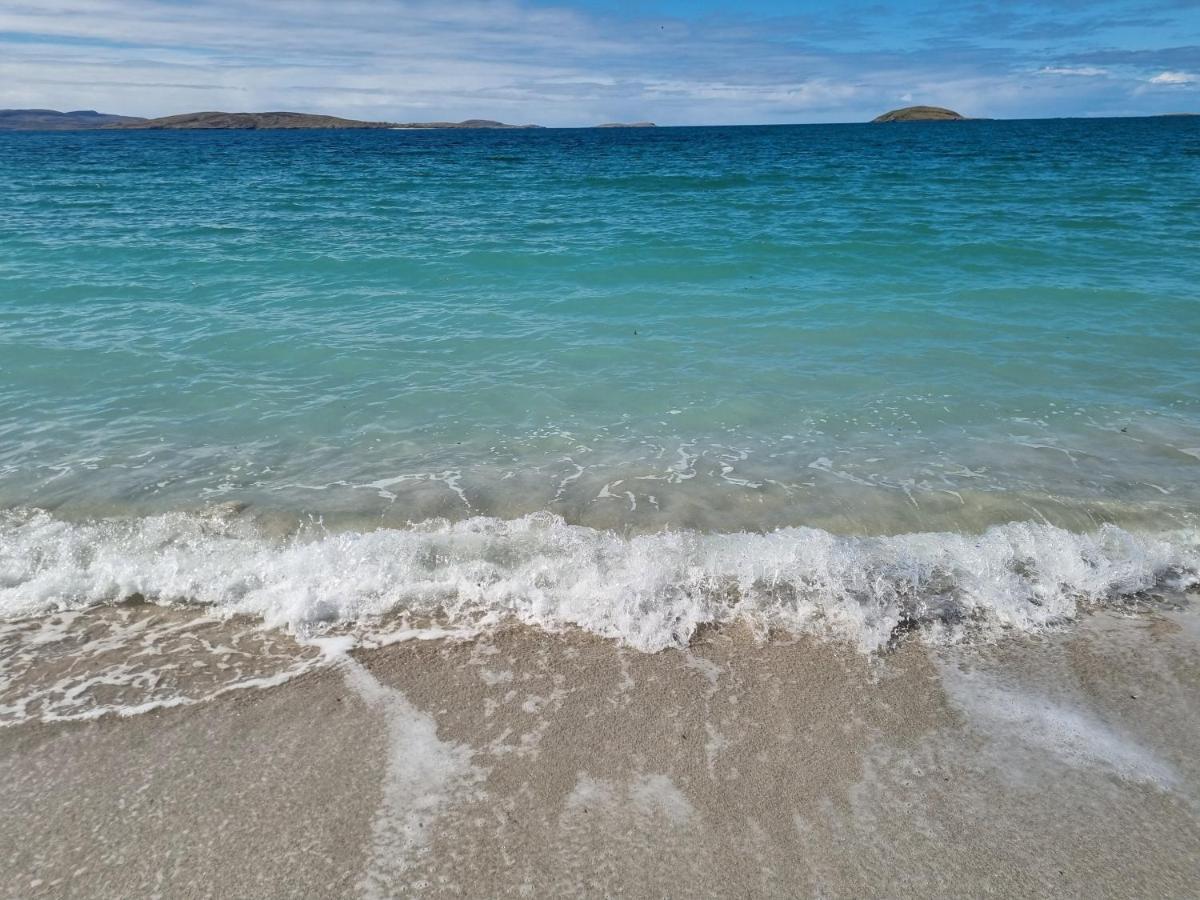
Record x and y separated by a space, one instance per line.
590 61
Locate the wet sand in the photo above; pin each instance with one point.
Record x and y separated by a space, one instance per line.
528 764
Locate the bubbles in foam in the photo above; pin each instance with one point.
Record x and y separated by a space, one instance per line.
650 591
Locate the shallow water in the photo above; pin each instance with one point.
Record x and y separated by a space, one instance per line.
648 341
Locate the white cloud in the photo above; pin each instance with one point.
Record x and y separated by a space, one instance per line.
1174 78
1080 71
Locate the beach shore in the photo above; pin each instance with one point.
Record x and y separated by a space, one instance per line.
529 764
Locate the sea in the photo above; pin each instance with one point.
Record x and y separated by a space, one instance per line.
263 394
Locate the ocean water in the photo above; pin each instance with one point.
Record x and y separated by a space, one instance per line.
850 380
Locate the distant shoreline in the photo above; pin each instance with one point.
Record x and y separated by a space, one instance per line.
42 120
91 120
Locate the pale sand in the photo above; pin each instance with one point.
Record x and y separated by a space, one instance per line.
527 764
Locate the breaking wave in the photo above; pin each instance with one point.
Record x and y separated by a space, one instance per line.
650 591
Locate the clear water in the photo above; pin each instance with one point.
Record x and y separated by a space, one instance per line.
835 339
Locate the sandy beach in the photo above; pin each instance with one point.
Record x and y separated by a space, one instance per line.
529 764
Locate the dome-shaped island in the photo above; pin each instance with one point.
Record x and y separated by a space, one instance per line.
920 114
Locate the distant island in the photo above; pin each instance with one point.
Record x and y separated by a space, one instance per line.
920 114
290 120
90 120
53 120
245 121
466 123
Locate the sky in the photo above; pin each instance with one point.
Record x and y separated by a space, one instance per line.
582 62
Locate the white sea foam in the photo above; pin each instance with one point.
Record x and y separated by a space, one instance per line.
1023 722
130 659
424 775
650 591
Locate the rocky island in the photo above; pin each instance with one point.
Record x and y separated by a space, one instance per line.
920 114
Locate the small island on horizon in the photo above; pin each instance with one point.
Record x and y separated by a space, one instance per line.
921 114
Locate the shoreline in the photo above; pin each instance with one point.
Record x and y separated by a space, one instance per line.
564 764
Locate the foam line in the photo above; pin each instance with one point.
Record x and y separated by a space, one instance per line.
650 591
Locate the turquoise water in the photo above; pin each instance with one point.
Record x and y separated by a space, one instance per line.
571 342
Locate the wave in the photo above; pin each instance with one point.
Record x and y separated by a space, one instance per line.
650 591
